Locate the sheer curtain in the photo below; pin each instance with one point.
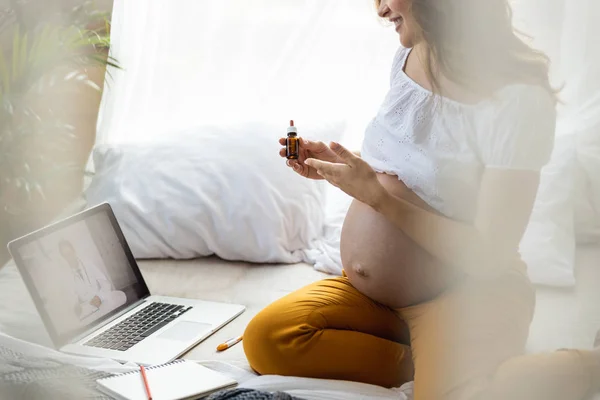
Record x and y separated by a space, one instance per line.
569 32
191 62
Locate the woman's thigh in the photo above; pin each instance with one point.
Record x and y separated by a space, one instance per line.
460 339
330 330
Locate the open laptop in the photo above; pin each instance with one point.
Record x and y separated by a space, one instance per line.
93 299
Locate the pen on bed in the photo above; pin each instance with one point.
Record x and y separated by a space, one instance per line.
145 379
229 343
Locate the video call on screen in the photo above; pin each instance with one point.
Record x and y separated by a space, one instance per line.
80 272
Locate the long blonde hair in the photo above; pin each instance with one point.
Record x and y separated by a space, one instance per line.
474 44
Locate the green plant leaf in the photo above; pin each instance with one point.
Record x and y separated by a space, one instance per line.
8 107
38 188
71 75
42 57
93 85
16 52
22 61
4 74
27 190
35 46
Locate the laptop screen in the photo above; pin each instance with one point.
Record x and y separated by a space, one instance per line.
79 272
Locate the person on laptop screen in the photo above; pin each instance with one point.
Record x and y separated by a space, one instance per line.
93 289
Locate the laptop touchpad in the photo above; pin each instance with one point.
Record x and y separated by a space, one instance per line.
185 331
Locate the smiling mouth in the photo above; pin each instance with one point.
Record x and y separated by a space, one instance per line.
397 22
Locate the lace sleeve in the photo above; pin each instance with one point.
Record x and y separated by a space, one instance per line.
522 132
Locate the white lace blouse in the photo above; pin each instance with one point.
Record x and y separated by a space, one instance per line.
439 147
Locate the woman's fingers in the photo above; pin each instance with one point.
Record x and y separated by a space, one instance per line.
298 164
282 152
343 153
303 155
298 167
310 145
314 147
319 165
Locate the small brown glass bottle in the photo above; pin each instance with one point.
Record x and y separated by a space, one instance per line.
292 143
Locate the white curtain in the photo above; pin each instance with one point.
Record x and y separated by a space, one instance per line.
192 62
568 30
580 52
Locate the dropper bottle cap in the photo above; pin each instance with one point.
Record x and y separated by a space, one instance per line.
292 128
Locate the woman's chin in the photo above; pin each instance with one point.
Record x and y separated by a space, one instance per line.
406 41
403 37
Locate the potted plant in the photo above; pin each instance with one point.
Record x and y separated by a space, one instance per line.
47 73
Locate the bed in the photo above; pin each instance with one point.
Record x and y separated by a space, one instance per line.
563 318
208 278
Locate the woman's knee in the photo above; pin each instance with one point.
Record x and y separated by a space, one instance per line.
277 335
269 339
287 329
259 331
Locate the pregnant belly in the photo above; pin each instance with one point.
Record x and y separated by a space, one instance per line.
385 264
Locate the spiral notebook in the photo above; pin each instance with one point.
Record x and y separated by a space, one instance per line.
178 380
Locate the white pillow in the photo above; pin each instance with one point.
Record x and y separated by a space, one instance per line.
212 190
585 127
548 246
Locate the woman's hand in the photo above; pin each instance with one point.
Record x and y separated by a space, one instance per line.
309 149
351 174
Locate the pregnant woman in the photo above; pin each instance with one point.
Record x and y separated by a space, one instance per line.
434 289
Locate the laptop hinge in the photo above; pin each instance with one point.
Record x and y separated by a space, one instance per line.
109 320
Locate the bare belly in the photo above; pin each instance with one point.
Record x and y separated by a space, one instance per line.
385 264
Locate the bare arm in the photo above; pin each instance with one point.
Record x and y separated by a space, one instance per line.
485 247
518 145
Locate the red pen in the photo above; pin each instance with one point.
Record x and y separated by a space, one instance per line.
145 378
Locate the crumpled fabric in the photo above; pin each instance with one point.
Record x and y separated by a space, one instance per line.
28 377
249 394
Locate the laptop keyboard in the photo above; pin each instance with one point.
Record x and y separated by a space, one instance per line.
139 326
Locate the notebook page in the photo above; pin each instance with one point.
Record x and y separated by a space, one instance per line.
174 381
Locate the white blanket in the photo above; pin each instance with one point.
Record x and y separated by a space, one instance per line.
305 388
19 318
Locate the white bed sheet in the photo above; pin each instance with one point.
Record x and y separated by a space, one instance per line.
254 286
210 279
309 389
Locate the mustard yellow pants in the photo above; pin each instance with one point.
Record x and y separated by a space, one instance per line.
469 343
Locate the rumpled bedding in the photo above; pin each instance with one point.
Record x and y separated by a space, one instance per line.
303 388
